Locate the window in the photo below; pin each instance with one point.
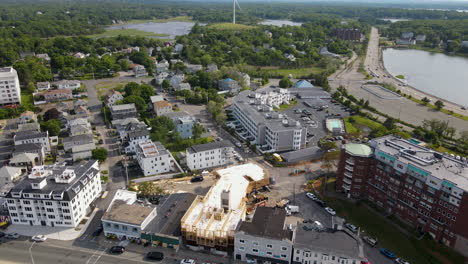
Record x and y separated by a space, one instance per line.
241 241
284 248
254 250
269 253
241 248
269 246
283 256
255 243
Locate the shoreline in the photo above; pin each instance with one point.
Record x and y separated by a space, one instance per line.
425 94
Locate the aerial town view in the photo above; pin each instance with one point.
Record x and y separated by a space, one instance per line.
234 131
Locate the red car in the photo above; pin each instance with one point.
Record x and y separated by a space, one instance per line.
365 261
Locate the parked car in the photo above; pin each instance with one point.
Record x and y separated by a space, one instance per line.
12 235
238 144
311 196
187 261
401 261
155 255
387 253
98 231
2 234
330 211
351 227
101 141
117 250
365 261
197 179
39 238
320 202
369 240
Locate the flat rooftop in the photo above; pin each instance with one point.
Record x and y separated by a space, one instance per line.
267 222
333 243
358 149
426 161
151 149
123 107
122 212
210 146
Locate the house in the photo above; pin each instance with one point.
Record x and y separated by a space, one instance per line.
56 95
464 44
43 56
161 77
213 154
176 80
407 35
35 127
25 54
193 68
9 87
162 66
178 48
405 42
41 86
156 98
27 117
79 55
229 85
164 230
34 148
80 110
420 38
183 122
64 193
265 238
113 98
140 71
125 218
24 137
25 161
70 142
162 107
84 151
290 57
183 86
123 111
9 174
77 121
324 52
124 126
325 247
134 138
80 102
79 129
212 67
153 158
68 84
211 221
245 79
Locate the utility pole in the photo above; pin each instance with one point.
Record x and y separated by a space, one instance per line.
234 11
294 193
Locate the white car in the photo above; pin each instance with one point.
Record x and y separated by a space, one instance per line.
401 261
39 238
187 261
330 211
311 196
12 235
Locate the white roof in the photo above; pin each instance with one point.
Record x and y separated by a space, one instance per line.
156 98
9 172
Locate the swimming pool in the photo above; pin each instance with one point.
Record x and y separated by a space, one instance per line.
412 140
334 124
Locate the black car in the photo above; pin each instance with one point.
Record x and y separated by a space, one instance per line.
196 179
98 231
154 255
117 249
320 202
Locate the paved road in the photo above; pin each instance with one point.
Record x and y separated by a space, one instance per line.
404 108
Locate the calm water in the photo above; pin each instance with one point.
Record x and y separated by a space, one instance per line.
393 20
280 23
173 29
434 73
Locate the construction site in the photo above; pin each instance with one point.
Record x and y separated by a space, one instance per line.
210 222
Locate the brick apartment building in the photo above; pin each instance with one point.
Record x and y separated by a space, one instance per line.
426 189
353 34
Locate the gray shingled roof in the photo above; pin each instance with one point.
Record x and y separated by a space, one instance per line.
210 146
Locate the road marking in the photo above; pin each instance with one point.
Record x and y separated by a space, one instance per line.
30 252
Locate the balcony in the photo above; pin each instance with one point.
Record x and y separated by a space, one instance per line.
347 181
350 162
349 168
347 187
349 175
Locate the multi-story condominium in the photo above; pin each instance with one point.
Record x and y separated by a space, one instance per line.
25 137
183 122
211 221
265 238
153 158
209 155
55 195
125 218
43 86
423 188
134 138
9 87
68 84
322 247
123 111
113 98
140 71
162 107
268 129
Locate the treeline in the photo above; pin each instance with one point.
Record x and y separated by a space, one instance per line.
448 34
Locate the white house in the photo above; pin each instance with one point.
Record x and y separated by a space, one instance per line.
68 84
125 218
134 138
140 71
153 158
43 86
24 137
113 97
213 154
55 195
9 87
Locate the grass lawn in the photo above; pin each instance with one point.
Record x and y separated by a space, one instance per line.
164 20
400 76
463 117
230 26
360 120
27 99
102 88
296 73
126 32
350 128
286 106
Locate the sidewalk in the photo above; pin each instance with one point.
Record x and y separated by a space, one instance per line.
58 233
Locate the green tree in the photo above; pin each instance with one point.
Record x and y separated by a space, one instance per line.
137 100
99 154
53 126
165 84
439 104
285 83
425 100
389 123
197 130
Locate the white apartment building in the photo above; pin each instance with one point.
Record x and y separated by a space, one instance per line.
209 155
25 137
10 92
153 158
265 238
134 138
55 195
